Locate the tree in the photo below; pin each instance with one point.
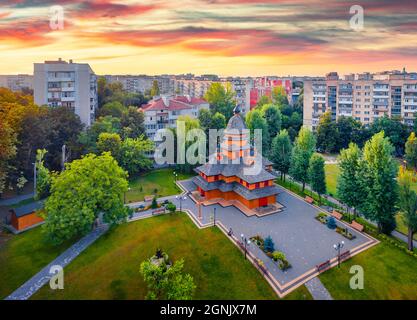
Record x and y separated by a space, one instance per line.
378 173
331 223
407 203
273 117
317 175
155 89
218 121
43 180
89 188
327 134
7 151
269 245
255 120
279 96
411 150
171 207
132 122
349 188
114 109
167 283
221 99
281 152
303 149
88 139
350 130
263 101
132 155
109 142
394 129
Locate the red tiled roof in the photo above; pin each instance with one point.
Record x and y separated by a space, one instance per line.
177 103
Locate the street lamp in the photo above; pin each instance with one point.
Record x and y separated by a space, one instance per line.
214 216
180 199
245 242
175 176
34 179
338 247
124 195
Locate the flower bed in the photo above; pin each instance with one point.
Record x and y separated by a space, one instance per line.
267 246
322 217
345 232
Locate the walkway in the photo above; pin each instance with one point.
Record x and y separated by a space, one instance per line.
43 276
318 290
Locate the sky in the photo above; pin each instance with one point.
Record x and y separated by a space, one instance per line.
225 37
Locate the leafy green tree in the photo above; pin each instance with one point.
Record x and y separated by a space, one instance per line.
327 134
132 155
378 173
279 96
317 175
88 139
155 89
110 142
411 150
43 180
133 123
263 101
273 117
407 202
349 188
221 99
7 151
88 188
304 147
350 130
255 120
171 207
167 283
218 121
114 109
394 129
281 152
204 117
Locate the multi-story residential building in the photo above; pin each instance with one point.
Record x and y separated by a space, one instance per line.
162 112
67 84
365 97
263 86
142 83
17 82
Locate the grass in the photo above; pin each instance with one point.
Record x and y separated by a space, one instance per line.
109 269
22 256
389 273
162 180
332 172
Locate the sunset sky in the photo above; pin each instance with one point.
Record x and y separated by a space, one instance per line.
226 37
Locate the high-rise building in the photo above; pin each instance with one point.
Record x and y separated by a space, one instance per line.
365 97
17 82
67 84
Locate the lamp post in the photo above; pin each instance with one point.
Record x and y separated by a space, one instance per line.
245 242
175 176
124 195
214 216
338 247
180 199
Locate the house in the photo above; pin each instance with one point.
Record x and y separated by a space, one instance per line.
25 217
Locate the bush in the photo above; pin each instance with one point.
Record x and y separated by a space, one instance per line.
331 223
258 240
171 207
277 255
269 245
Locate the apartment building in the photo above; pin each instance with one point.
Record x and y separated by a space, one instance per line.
17 82
365 97
67 84
163 111
142 83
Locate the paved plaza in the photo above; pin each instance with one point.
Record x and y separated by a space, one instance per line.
295 231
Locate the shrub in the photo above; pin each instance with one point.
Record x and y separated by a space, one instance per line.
277 255
269 245
171 207
331 223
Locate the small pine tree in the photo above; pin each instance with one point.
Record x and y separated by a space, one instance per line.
331 223
269 245
154 204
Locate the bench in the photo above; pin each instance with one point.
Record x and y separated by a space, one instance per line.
161 210
357 226
337 215
324 266
310 200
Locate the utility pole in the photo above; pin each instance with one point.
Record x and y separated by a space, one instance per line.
63 156
34 179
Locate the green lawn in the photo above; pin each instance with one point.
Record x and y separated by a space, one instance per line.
162 180
332 172
109 269
22 256
389 273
